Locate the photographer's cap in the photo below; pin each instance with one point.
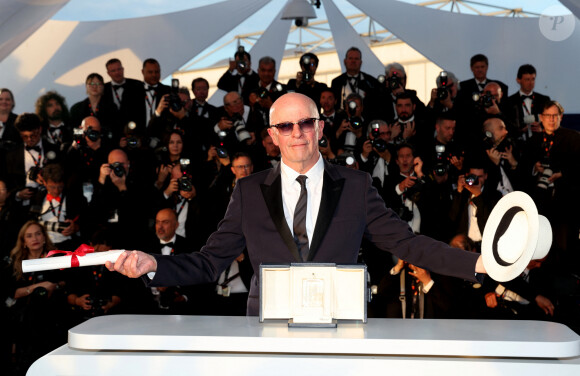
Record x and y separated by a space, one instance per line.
514 235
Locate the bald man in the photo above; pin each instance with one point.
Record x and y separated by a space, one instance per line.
305 210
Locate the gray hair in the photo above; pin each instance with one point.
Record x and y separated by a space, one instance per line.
396 66
450 76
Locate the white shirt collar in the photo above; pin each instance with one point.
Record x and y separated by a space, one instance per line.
170 241
313 174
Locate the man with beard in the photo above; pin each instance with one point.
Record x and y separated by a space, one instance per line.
53 112
408 128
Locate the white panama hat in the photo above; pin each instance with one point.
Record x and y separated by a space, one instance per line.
514 235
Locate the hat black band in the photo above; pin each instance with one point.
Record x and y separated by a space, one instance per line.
501 229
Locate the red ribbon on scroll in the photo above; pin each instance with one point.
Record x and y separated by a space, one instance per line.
80 251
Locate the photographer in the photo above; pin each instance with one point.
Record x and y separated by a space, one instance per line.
305 83
86 154
441 153
239 77
407 128
58 209
377 153
503 155
553 157
473 202
235 129
350 134
406 191
25 162
267 89
120 203
443 97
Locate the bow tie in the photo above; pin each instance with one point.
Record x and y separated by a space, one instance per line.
51 130
276 158
329 118
524 97
118 86
150 87
36 148
50 197
170 245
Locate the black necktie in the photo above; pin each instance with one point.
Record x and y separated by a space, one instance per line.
300 235
37 148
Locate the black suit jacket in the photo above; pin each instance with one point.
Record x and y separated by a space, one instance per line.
516 112
136 109
468 87
369 84
15 173
229 82
350 209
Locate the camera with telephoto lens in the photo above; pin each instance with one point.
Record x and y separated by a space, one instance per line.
442 90
483 99
184 183
118 169
441 160
544 178
413 193
239 126
55 226
345 159
488 142
394 82
471 180
323 142
377 142
173 99
355 121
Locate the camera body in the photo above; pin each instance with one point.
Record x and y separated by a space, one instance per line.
442 90
471 180
442 158
118 169
34 172
394 81
484 100
377 142
97 306
323 142
173 99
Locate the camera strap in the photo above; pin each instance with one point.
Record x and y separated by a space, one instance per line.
36 161
183 202
52 208
402 296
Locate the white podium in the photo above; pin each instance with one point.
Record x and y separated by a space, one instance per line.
209 345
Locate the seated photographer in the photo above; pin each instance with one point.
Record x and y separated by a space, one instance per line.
235 127
94 290
121 203
350 134
503 155
305 83
35 301
58 209
473 202
86 154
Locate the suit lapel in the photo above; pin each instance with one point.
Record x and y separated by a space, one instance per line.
331 191
272 192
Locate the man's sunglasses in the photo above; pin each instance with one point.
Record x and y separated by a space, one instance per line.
306 126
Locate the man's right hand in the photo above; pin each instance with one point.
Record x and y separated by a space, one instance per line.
225 124
133 264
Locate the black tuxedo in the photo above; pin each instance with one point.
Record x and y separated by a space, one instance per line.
312 90
484 204
350 209
516 111
106 112
132 95
229 82
15 173
468 87
137 111
366 83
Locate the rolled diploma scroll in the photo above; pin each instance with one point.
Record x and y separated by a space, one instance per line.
62 262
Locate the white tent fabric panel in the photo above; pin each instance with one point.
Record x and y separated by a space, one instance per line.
345 37
72 50
20 18
450 39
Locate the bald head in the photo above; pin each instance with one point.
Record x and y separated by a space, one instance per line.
166 224
293 99
91 121
494 89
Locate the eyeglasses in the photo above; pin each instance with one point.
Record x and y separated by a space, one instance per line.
306 126
243 167
93 84
551 116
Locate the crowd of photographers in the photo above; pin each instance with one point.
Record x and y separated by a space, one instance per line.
141 165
